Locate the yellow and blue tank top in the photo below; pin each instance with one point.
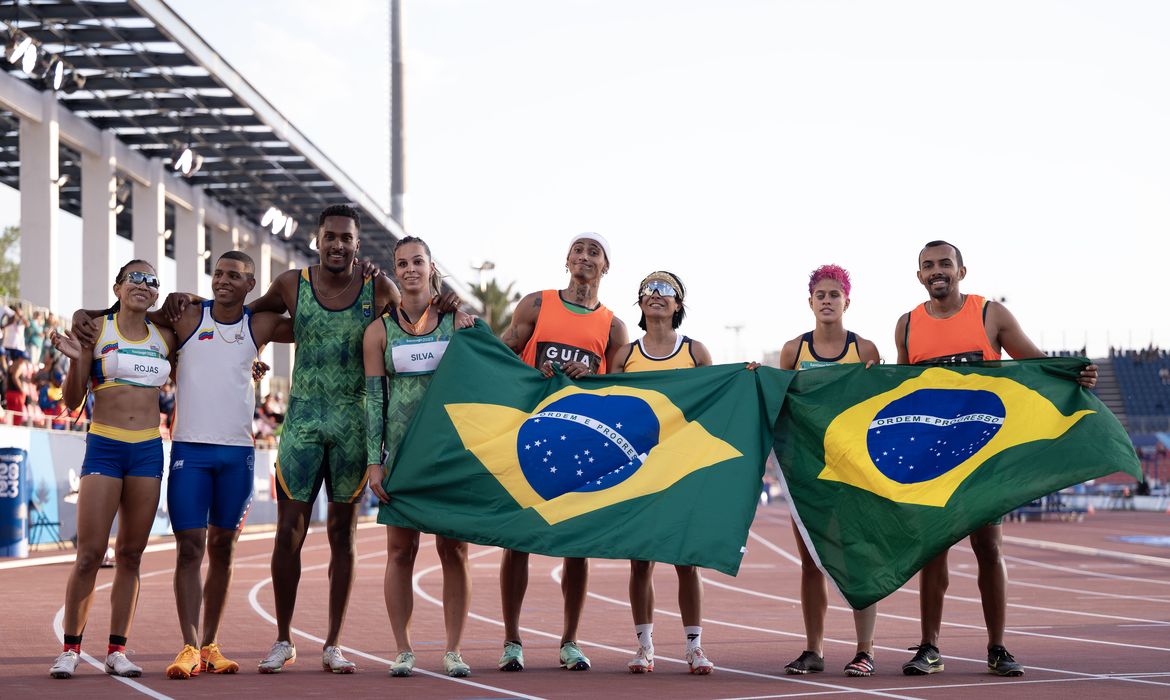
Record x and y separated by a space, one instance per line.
329 364
120 361
807 357
640 361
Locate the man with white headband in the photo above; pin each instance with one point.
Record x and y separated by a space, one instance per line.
567 329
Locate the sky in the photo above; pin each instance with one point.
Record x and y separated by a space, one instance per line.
740 144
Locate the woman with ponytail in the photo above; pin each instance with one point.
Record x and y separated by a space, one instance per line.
407 344
122 471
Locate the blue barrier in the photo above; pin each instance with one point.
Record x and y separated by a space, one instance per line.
13 502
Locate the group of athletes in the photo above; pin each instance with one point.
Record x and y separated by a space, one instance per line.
366 349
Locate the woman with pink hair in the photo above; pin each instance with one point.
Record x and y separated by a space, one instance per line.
828 343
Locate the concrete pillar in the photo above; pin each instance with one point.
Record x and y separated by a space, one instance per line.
189 244
99 183
39 200
150 221
223 239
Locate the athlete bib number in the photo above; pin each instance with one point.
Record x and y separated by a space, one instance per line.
136 367
560 354
414 356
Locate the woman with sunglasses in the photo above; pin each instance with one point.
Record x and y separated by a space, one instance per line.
122 470
827 344
660 297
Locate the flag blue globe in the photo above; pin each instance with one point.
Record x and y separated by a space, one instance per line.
585 442
931 431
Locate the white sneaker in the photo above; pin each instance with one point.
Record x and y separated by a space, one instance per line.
698 662
65 665
643 661
118 665
454 666
282 654
332 660
403 665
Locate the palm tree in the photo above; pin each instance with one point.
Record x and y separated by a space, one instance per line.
497 304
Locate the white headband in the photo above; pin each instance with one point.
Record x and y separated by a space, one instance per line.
596 237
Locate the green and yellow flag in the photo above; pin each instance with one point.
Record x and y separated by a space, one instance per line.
662 466
888 466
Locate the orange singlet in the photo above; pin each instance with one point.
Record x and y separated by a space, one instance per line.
563 336
960 338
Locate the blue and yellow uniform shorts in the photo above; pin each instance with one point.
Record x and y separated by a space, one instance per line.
209 484
119 453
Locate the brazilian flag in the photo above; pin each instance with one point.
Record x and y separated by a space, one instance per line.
663 466
886 467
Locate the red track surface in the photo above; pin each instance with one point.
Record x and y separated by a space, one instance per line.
1085 623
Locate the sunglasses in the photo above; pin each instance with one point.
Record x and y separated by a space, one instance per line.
663 289
137 277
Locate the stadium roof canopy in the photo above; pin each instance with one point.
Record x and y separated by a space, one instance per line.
155 83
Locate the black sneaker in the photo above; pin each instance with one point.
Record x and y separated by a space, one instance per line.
1001 663
807 662
926 660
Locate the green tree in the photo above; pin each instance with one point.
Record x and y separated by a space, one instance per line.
10 262
497 304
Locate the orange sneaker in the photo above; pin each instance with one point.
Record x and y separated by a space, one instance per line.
186 664
212 661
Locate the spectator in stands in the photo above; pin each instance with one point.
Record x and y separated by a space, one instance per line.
17 395
1164 375
34 337
14 326
166 403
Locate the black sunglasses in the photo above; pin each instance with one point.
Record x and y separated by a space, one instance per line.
138 277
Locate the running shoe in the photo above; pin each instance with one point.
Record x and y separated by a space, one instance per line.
861 666
926 660
513 657
643 661
698 661
186 664
332 660
282 654
1001 663
65 665
454 666
118 665
807 662
572 658
403 665
212 661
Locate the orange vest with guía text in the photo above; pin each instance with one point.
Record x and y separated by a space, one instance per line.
960 338
563 336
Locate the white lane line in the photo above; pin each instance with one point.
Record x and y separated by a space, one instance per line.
1086 572
254 601
555 574
774 547
747 591
59 630
1097 595
1089 552
156 547
997 684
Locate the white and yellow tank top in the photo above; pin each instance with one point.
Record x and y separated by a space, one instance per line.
641 361
118 360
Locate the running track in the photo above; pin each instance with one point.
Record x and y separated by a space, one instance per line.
1089 616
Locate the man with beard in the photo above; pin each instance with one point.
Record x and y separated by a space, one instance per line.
952 328
571 330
